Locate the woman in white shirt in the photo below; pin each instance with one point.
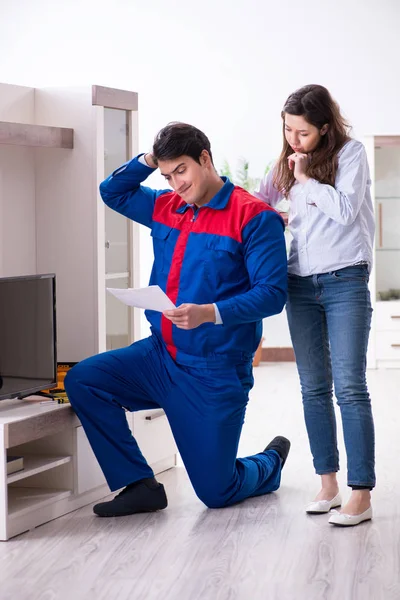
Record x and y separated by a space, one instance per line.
324 173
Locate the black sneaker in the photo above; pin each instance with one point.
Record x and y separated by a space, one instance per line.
281 445
146 495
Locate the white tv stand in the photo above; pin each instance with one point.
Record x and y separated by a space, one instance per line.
60 471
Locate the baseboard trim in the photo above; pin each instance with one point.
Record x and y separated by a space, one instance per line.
277 355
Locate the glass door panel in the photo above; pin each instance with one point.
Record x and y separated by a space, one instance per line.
116 148
117 233
117 317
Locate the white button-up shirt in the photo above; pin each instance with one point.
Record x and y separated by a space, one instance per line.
332 227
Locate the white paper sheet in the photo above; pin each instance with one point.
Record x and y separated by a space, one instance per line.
150 298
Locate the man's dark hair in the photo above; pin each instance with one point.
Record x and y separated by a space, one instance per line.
178 139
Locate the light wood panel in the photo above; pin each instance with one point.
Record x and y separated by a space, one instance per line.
386 140
24 134
114 98
34 428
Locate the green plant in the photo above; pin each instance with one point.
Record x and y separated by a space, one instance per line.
225 171
248 183
241 176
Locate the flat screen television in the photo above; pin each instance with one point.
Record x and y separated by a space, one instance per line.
28 344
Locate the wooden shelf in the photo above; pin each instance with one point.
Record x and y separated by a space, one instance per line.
386 140
122 275
23 500
42 136
37 464
114 98
25 421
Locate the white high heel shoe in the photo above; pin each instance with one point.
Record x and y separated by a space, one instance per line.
344 520
323 506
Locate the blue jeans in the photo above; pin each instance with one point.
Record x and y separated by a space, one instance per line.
329 319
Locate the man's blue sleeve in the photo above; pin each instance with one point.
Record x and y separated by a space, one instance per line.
266 262
122 192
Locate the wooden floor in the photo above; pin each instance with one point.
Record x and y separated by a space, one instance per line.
263 549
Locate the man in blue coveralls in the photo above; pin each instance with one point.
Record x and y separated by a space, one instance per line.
220 256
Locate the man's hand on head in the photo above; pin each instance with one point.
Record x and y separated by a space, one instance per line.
190 316
150 160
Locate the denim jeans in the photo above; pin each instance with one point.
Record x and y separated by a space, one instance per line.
329 319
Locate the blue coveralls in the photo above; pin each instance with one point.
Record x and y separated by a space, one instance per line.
230 252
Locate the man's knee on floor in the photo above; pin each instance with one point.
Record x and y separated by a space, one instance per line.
212 497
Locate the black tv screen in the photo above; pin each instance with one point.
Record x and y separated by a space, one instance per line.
28 345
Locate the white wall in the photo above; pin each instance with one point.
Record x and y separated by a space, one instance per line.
17 189
224 66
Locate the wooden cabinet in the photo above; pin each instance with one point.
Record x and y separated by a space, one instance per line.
56 146
384 160
87 245
60 471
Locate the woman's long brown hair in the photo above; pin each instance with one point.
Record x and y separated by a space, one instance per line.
316 105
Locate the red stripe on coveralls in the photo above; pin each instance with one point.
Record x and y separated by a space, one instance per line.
173 288
241 208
